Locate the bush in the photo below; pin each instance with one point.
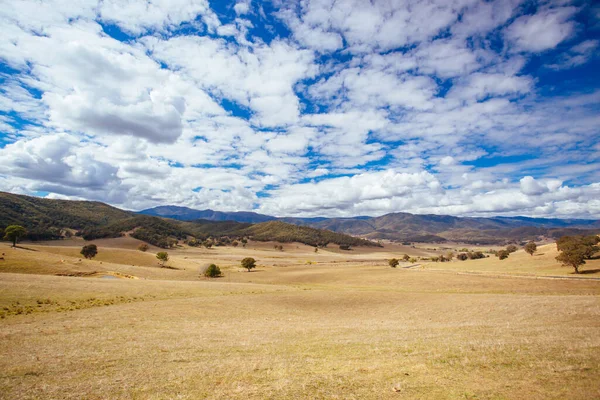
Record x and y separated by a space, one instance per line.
503 254
344 247
212 271
393 263
89 251
511 248
249 263
530 248
462 256
143 247
163 257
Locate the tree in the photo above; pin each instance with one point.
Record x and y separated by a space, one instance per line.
530 248
212 271
316 249
14 233
143 247
244 242
576 249
462 256
249 263
89 251
574 257
234 243
406 257
449 256
162 257
503 254
393 262
344 247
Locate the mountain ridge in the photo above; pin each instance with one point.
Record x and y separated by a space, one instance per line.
402 226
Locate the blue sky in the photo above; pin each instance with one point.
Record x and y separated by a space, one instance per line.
309 108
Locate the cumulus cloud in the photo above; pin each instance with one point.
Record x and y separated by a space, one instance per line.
322 107
543 30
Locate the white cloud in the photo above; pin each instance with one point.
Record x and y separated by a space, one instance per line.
416 103
577 55
543 30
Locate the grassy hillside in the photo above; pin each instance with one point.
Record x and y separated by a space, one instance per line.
45 218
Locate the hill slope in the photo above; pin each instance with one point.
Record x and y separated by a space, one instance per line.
49 219
45 218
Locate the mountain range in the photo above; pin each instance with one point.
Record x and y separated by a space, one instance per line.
407 227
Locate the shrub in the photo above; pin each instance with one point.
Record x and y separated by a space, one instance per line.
344 247
462 256
212 271
503 254
162 257
406 257
249 263
530 248
511 248
143 247
393 263
89 251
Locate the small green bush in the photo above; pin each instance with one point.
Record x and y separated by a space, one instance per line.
212 271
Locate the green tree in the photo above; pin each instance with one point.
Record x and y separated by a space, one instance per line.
212 271
162 257
576 249
89 251
530 248
14 233
393 263
249 263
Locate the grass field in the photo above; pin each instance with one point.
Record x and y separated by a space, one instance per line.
326 325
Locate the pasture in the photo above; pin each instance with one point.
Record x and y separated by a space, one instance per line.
327 325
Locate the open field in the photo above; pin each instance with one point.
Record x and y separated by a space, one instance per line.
331 324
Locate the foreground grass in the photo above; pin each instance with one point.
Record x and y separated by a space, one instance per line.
351 330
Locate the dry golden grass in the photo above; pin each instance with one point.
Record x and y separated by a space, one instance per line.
344 326
541 263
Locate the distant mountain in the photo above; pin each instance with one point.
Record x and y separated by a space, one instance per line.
433 228
409 227
188 214
52 219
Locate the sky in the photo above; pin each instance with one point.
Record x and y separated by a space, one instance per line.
306 108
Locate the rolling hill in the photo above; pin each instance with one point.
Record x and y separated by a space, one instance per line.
47 219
